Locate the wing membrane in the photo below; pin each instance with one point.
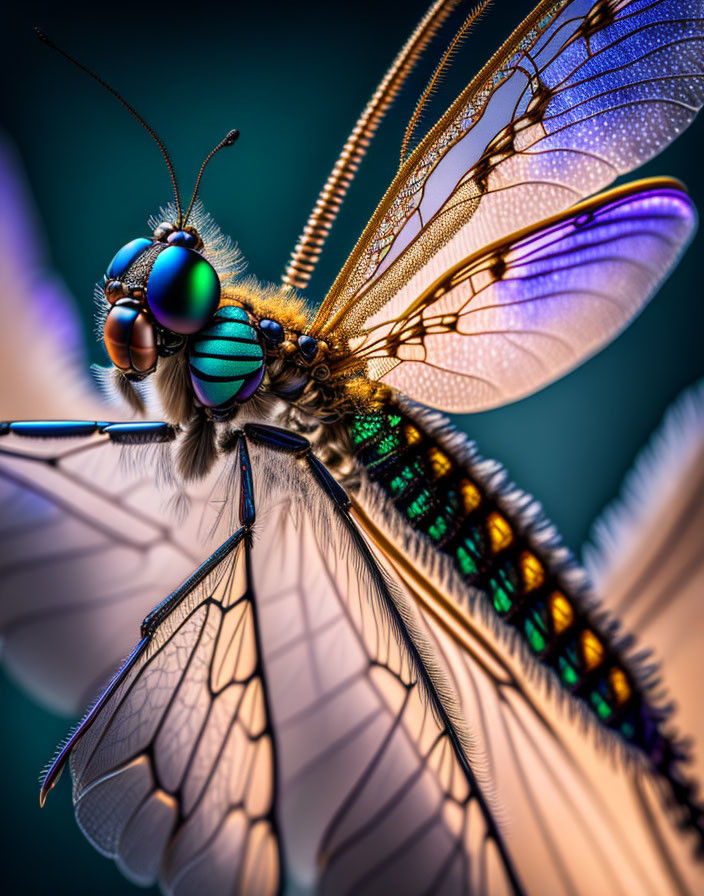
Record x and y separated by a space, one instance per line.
290 689
182 755
41 347
92 534
522 312
364 759
580 822
310 244
582 92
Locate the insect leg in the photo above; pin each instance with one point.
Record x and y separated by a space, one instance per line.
140 433
247 515
247 512
137 433
49 429
149 626
293 443
57 766
121 433
275 437
328 483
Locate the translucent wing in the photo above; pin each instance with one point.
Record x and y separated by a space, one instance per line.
580 820
522 312
310 244
182 756
647 561
93 533
582 91
285 710
584 811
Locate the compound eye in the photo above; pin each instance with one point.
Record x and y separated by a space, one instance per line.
162 230
127 255
184 238
272 331
183 290
129 338
226 359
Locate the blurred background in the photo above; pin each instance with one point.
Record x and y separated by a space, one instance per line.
293 78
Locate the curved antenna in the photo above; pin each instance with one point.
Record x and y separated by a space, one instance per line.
437 75
229 140
311 241
133 112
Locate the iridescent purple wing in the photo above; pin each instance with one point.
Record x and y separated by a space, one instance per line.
582 92
524 311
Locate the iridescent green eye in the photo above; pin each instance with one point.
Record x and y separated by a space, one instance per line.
125 257
183 290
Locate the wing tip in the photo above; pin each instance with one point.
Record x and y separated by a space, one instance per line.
654 474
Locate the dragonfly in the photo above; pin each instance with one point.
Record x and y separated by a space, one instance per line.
366 663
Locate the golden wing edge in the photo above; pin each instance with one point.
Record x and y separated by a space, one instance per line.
320 324
632 188
490 253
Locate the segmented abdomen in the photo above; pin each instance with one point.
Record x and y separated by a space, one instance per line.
441 490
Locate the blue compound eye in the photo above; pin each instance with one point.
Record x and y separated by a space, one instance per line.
183 238
125 257
272 331
183 290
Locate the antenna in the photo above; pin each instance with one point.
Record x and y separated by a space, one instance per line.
229 140
147 128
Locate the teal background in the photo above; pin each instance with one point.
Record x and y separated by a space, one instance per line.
292 77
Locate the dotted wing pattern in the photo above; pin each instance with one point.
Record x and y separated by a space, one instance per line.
581 93
523 312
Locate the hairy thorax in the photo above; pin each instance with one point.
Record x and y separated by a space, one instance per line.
299 387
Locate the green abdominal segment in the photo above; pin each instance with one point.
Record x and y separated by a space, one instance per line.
452 503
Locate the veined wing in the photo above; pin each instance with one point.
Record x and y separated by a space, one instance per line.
522 312
283 708
581 92
573 739
646 559
94 530
581 819
176 777
310 244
